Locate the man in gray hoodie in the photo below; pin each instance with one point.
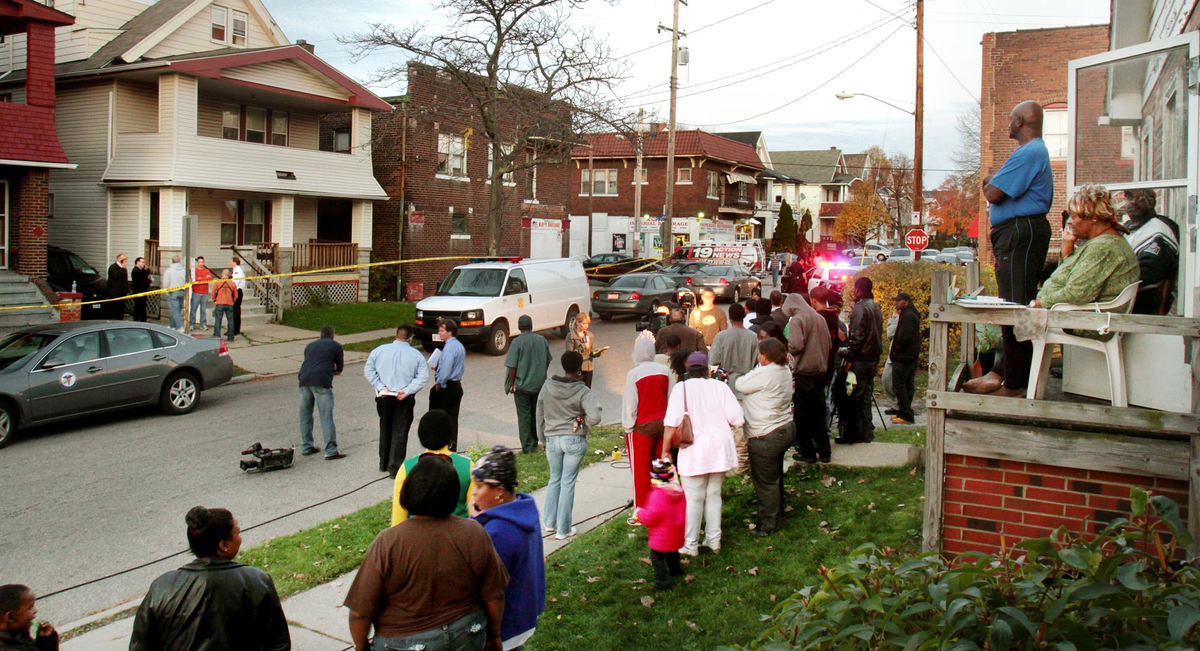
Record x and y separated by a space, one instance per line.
809 343
175 276
566 408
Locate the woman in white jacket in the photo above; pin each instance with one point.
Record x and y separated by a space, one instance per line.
770 430
703 464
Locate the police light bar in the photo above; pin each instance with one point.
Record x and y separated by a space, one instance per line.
497 259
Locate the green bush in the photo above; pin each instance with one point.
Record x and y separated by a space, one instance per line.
1118 590
891 278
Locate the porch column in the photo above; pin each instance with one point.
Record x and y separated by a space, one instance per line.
172 206
283 214
361 212
360 133
28 209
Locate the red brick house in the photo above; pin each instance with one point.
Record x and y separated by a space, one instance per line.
29 145
715 189
433 161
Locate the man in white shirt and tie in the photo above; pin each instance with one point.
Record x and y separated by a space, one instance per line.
239 279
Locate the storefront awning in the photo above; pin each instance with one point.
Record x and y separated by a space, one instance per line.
738 177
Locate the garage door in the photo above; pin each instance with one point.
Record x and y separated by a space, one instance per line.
545 238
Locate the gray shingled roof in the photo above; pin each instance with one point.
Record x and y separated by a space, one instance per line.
136 29
810 166
747 137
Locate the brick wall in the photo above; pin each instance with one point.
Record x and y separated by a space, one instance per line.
1032 64
989 498
28 225
438 105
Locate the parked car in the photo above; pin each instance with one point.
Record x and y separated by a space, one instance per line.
70 370
833 277
636 293
900 255
947 258
965 256
873 250
928 255
485 299
727 281
606 266
864 260
681 271
65 269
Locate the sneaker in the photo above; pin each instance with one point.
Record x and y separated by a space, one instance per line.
689 551
549 529
335 455
901 420
564 536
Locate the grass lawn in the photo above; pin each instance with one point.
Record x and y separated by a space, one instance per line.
349 318
367 346
601 586
914 436
318 555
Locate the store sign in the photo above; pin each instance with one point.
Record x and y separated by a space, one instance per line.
545 225
716 226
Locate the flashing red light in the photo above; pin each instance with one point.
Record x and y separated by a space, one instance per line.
635 296
723 281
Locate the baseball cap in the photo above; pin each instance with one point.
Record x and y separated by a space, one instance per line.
697 358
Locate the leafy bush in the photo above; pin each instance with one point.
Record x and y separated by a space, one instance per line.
381 284
1118 590
891 278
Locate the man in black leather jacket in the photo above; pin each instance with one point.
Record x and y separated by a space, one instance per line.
861 357
214 602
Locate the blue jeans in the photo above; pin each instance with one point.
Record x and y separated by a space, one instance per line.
175 301
199 304
225 311
466 633
564 453
323 397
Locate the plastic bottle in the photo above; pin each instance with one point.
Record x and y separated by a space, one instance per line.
73 288
616 453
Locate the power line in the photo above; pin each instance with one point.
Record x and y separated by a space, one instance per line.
701 28
810 92
947 67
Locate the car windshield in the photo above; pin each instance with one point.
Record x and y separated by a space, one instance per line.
472 282
629 282
20 345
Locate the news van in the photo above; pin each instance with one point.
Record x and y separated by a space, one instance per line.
748 253
486 298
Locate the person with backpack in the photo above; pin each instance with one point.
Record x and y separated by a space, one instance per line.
435 431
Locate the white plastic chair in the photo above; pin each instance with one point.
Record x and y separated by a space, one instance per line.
1040 364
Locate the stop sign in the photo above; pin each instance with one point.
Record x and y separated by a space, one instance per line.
916 239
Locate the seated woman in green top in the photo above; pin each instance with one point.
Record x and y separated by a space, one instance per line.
1098 268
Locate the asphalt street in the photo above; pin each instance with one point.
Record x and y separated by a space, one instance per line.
92 497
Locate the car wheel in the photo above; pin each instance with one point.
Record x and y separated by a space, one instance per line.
497 344
180 393
881 257
565 330
606 316
737 294
8 424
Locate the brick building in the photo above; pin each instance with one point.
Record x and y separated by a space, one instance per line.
1032 64
29 145
431 158
714 177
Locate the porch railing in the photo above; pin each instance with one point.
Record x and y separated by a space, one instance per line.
323 255
1026 430
260 259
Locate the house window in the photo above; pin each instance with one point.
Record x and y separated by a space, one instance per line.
279 128
531 175
458 223
239 29
229 222
254 221
741 192
341 140
231 122
1054 131
154 220
640 173
256 124
598 182
452 156
507 177
683 175
220 16
714 185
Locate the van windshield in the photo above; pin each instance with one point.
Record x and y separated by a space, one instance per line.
472 282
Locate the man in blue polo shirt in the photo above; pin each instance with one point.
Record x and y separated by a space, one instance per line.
446 391
1019 197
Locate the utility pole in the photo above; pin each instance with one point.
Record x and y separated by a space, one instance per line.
668 239
637 193
919 123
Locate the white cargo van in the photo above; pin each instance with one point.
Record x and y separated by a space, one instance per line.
486 299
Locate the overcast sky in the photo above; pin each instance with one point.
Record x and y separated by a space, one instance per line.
763 65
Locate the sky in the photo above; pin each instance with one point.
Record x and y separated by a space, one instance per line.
761 65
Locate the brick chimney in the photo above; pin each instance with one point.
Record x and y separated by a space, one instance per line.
39 66
312 49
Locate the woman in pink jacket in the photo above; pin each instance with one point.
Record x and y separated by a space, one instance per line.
703 464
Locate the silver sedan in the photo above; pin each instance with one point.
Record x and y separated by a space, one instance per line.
69 370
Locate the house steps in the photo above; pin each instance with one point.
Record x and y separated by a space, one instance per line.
16 289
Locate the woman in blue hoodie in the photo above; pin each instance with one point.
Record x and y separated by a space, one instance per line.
512 520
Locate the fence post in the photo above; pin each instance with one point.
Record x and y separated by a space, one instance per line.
939 353
283 258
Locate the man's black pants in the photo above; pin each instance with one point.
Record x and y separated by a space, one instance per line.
1020 245
903 384
395 419
448 400
809 411
237 314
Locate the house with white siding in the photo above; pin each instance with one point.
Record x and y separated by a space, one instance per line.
203 107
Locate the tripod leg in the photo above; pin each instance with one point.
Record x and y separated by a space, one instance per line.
881 418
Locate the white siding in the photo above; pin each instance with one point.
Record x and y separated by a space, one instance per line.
304 224
206 204
208 116
80 221
196 34
125 217
303 130
291 75
137 107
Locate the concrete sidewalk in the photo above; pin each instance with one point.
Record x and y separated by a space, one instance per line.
268 349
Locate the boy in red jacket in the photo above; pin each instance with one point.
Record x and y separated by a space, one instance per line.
664 516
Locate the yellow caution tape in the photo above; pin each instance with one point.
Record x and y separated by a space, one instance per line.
262 277
651 262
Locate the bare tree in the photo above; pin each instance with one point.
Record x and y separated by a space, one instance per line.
966 154
534 80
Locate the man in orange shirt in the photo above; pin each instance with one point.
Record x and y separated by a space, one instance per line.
201 276
224 294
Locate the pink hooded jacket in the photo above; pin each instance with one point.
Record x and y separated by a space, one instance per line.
664 516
